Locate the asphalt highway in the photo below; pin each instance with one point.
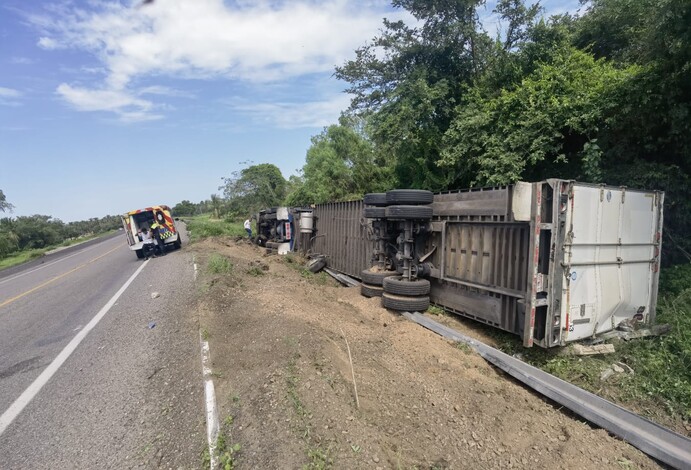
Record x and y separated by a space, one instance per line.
130 393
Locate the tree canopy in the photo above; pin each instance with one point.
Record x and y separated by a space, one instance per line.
601 97
341 164
254 188
4 205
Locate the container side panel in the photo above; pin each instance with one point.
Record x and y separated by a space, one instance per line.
611 279
341 235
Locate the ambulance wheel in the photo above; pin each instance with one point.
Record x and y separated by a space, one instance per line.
178 243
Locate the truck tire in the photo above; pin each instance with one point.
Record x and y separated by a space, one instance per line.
139 253
405 304
409 212
402 286
371 291
374 212
409 196
317 264
375 199
178 243
375 278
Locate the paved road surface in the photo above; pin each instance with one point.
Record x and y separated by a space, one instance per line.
129 396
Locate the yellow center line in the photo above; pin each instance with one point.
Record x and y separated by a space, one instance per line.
17 297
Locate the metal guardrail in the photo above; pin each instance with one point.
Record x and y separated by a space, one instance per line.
657 441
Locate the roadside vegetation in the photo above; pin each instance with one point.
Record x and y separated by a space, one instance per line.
205 226
22 256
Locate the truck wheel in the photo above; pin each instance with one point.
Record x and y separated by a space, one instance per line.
375 278
375 199
374 212
409 196
402 286
371 291
178 243
317 264
409 212
139 253
405 304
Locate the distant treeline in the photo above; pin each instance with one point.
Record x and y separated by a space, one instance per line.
42 231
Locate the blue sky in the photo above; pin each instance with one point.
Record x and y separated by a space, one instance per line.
109 106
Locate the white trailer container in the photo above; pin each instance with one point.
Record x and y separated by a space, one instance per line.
554 261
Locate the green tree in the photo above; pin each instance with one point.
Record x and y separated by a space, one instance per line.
341 164
409 80
9 241
254 188
648 141
216 204
38 231
184 208
547 127
4 205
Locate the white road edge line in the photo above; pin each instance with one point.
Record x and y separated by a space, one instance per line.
210 395
32 390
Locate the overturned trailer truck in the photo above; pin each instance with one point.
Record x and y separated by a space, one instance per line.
554 261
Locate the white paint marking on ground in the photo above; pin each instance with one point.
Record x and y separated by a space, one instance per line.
195 267
33 389
210 395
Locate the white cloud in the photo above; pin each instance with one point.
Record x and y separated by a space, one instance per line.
9 97
47 43
292 115
9 93
129 108
261 41
22 61
164 91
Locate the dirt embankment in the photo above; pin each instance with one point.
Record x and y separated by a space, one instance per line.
286 396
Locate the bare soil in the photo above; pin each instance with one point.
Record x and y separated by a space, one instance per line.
284 382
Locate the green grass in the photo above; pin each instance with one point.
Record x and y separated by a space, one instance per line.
27 255
21 257
218 264
465 347
227 453
255 271
204 226
435 310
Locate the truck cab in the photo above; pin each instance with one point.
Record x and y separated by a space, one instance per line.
134 221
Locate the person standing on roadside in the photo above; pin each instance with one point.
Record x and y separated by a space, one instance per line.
248 228
156 231
148 246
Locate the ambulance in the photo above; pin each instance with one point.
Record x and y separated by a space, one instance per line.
134 221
